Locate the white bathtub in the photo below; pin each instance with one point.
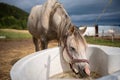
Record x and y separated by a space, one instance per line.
44 64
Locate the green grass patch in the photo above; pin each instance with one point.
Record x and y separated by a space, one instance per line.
100 41
24 34
14 34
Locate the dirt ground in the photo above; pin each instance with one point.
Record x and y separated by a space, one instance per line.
13 50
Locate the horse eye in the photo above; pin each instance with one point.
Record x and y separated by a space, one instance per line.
72 48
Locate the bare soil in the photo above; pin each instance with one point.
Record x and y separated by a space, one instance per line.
13 50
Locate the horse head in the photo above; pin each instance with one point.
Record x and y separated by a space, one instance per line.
74 51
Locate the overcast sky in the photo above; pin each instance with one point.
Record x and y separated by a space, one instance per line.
80 11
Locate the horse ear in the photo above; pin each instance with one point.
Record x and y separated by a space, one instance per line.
71 30
82 29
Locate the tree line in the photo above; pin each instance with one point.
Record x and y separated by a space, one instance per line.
12 17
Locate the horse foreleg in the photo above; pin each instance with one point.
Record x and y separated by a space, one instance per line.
36 43
44 44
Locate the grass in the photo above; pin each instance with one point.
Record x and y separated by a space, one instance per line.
14 34
100 41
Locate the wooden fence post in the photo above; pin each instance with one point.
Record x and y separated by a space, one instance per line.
96 31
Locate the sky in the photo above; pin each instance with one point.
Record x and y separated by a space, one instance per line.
82 12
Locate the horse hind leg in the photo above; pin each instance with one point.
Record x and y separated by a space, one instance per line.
36 43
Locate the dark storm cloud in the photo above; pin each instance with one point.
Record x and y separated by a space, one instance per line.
87 13
80 11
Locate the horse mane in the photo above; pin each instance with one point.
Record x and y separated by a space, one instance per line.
78 36
65 22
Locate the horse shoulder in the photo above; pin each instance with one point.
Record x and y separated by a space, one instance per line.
34 14
33 19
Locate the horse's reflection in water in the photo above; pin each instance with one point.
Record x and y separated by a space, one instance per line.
50 21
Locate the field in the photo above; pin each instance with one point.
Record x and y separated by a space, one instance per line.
103 41
15 34
18 43
12 34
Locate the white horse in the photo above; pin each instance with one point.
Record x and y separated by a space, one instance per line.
50 21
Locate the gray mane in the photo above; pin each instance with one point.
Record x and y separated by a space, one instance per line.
78 36
65 22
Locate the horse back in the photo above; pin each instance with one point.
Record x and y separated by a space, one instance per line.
33 20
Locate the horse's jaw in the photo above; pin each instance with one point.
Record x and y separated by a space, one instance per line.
68 60
65 56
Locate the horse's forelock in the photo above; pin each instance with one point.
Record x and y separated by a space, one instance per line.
79 37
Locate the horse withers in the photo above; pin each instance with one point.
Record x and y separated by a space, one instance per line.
50 21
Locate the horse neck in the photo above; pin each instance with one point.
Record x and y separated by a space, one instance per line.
62 33
63 26
65 23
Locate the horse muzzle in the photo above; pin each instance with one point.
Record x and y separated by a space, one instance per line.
84 72
80 67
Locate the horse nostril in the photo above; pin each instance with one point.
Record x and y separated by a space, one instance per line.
84 71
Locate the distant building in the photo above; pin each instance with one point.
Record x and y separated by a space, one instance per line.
103 30
90 31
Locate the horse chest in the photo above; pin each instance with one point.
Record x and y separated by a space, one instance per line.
52 35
